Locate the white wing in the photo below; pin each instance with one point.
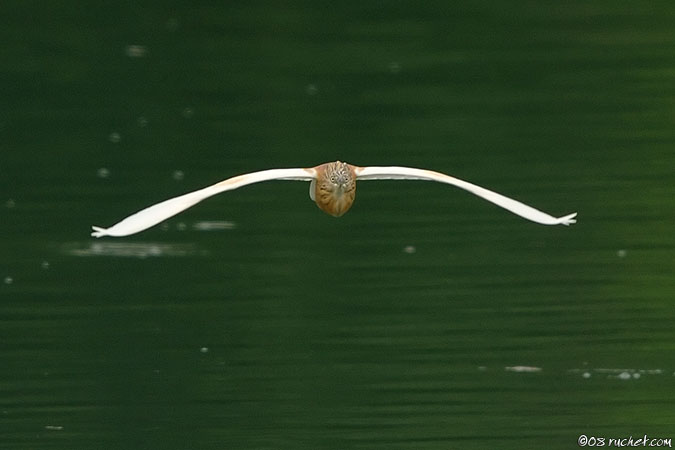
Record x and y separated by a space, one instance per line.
516 207
155 214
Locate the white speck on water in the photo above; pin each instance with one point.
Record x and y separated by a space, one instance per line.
204 350
394 67
178 175
181 226
624 376
188 112
54 427
9 280
636 375
136 51
44 265
621 253
103 172
142 121
114 137
586 375
409 249
10 203
311 89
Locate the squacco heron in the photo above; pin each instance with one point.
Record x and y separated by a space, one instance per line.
332 187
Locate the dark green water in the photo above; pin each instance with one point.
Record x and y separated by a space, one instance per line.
423 319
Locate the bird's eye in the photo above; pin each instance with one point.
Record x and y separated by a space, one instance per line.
333 179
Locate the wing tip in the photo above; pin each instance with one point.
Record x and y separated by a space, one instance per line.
568 219
99 232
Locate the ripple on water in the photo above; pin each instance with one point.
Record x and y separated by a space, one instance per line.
136 50
616 373
114 137
523 369
587 373
213 225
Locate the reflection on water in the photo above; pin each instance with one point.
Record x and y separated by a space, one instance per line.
148 249
132 249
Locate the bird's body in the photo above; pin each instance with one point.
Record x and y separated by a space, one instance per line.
332 187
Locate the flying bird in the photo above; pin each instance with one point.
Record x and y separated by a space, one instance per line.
332 187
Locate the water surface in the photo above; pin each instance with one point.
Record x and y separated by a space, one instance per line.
423 319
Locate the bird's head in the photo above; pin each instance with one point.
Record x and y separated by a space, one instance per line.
340 175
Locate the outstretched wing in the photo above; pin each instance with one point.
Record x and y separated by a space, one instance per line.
155 214
516 207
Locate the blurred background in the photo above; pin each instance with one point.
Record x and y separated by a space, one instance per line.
425 318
